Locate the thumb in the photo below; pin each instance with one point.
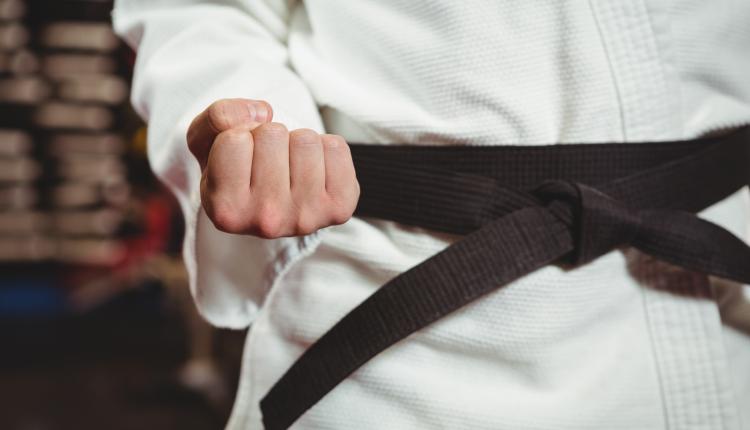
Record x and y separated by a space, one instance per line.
224 115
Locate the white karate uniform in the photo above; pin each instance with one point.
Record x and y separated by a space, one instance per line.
624 342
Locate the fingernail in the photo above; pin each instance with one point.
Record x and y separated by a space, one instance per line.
261 113
252 110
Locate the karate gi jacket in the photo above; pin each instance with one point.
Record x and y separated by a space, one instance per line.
622 342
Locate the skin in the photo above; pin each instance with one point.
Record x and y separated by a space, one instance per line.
259 178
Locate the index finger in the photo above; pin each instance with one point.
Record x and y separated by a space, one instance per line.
221 116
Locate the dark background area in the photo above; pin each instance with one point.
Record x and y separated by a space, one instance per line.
97 328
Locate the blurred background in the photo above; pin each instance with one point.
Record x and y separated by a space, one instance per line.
97 326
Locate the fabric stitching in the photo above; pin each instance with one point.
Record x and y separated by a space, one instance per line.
660 63
615 81
654 355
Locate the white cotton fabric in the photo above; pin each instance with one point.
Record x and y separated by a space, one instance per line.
624 342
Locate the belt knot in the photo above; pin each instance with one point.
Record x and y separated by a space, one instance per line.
598 222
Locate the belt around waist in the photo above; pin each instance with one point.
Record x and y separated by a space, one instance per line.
520 208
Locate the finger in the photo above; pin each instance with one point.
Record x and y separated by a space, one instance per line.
226 188
223 115
269 181
307 171
341 185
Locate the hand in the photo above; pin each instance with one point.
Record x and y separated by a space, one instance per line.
258 178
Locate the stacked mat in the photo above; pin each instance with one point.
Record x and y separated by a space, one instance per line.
63 89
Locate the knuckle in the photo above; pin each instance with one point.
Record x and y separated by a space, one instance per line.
305 225
232 135
192 132
334 141
193 146
269 222
304 136
272 131
343 204
218 115
226 217
340 213
192 137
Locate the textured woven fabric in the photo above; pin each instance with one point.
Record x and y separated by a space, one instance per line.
575 216
623 342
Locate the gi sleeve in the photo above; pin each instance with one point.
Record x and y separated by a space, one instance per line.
190 54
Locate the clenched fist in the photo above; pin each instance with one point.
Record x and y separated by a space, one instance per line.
259 178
